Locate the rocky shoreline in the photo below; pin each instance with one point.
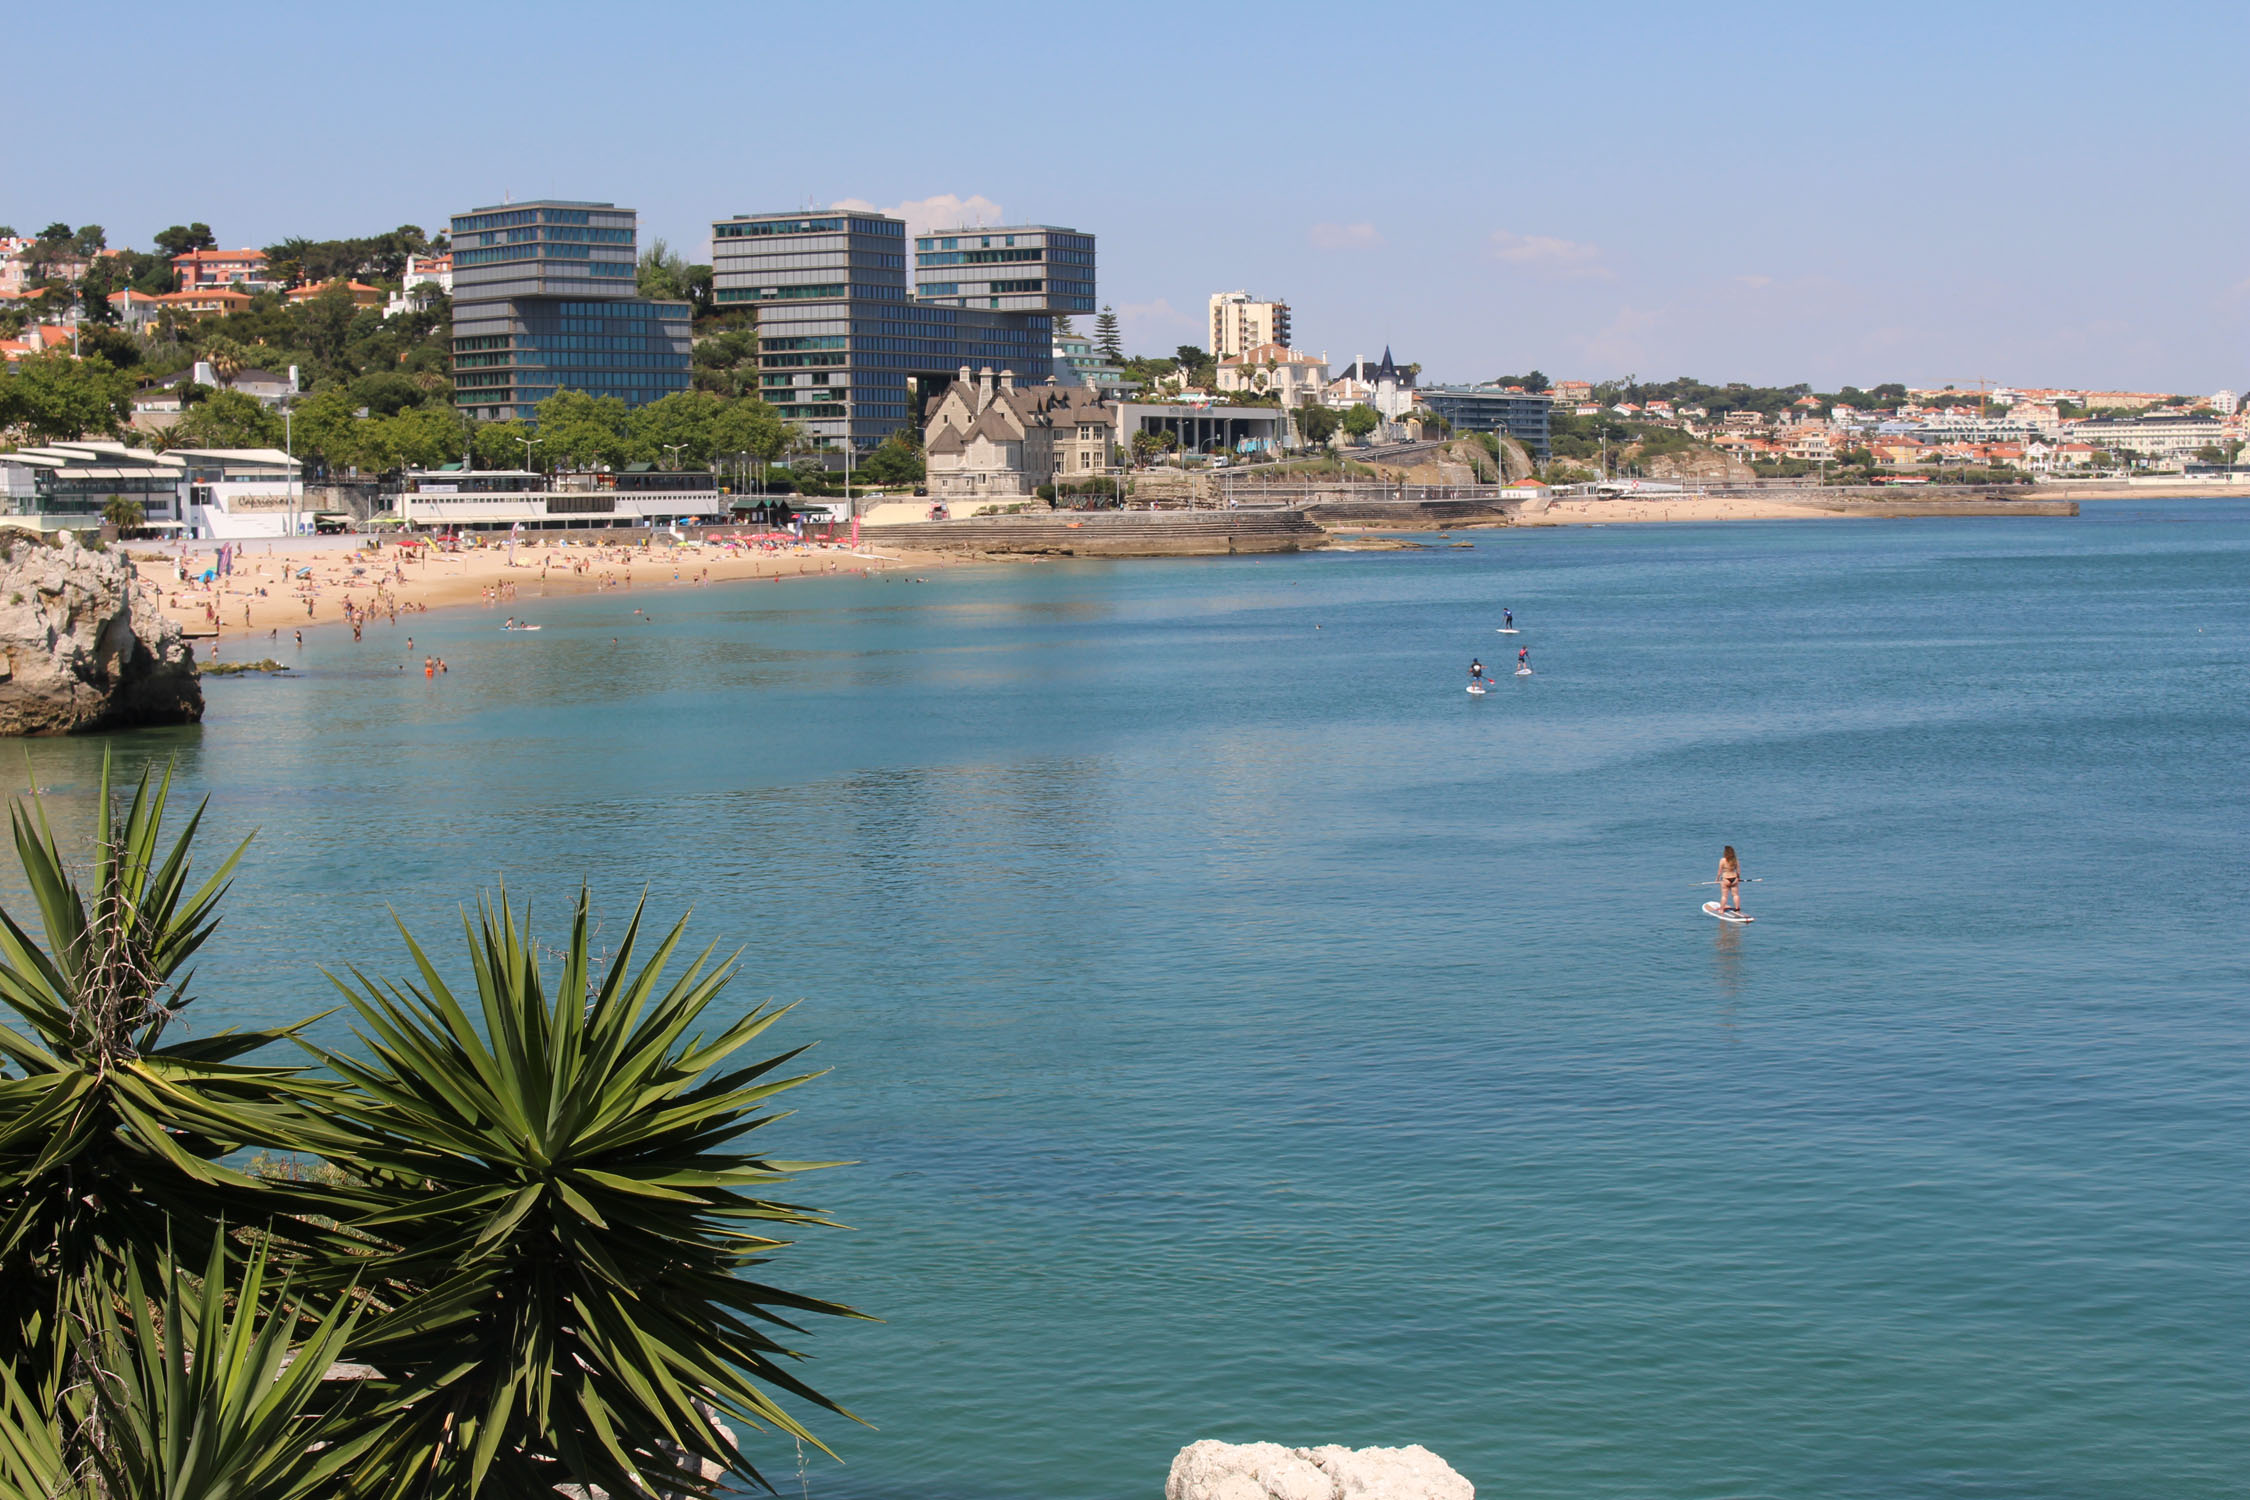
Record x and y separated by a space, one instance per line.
75 656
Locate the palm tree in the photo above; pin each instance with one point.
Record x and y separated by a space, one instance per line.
123 514
568 1214
225 356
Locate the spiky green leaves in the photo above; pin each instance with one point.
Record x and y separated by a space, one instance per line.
558 1168
111 1137
207 1389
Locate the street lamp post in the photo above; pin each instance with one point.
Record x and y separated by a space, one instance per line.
289 445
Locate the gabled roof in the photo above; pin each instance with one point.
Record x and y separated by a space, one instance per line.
948 441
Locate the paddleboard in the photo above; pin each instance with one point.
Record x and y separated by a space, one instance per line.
1508 630
1712 907
1477 688
519 627
1523 671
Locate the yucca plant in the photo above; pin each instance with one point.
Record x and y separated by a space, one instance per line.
571 1215
192 1390
112 1133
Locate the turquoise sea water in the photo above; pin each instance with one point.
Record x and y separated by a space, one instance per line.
1247 1034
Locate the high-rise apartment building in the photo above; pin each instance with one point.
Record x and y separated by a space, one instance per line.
544 300
1240 323
843 349
1012 268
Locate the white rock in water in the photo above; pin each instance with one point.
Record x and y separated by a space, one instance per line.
1267 1471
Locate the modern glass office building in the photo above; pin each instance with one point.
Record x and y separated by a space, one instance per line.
1527 418
543 300
844 350
1013 268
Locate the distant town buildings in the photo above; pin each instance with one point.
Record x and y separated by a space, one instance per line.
2176 435
1383 385
361 294
1276 370
424 274
1240 323
200 270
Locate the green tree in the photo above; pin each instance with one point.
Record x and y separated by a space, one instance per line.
578 431
228 419
124 514
897 460
727 363
52 396
386 393
662 273
1316 424
499 445
182 238
754 428
680 427
1361 420
420 437
1106 337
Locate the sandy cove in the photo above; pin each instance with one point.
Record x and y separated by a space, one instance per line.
266 600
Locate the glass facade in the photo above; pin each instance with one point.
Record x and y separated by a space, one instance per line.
841 340
1016 268
543 301
1489 408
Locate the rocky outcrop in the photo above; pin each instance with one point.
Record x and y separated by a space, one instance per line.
1267 1471
74 655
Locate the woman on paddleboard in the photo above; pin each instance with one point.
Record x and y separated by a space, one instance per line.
1730 880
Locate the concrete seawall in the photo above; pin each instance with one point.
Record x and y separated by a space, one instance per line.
1137 533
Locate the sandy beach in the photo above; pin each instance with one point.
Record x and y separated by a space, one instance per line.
271 594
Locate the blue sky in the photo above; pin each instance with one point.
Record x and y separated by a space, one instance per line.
2038 194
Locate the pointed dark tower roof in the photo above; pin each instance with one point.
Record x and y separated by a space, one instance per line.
1386 367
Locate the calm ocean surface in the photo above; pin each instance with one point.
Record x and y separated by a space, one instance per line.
1245 1033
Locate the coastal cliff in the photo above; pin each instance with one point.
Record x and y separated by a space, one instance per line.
73 656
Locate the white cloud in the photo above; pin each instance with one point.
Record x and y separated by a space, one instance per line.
1331 236
1754 281
1547 255
942 211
